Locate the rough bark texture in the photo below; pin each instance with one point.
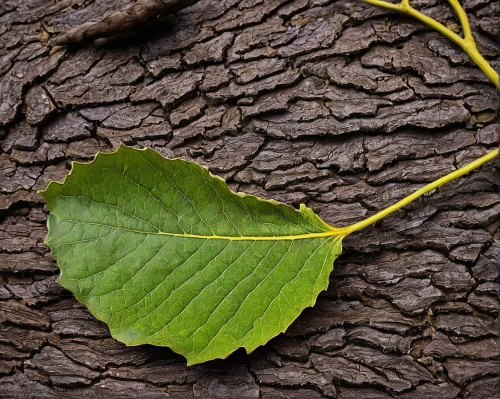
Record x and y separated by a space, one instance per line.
332 103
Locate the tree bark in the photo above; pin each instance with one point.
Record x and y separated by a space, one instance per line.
335 104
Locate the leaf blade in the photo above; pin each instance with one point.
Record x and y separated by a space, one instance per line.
166 254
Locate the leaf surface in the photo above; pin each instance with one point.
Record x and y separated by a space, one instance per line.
165 254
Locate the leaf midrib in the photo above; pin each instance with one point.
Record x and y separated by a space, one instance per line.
325 234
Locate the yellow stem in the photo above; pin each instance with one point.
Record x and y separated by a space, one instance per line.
412 197
467 43
462 17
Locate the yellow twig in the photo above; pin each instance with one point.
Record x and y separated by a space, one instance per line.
462 18
412 197
467 43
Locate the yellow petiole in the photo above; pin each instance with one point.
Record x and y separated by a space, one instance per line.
412 197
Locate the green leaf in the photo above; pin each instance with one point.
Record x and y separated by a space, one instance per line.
165 254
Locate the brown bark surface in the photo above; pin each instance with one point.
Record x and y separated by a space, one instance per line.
335 104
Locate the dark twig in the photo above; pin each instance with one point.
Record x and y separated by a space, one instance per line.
122 21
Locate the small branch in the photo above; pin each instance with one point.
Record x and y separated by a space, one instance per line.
462 18
122 21
412 197
467 43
